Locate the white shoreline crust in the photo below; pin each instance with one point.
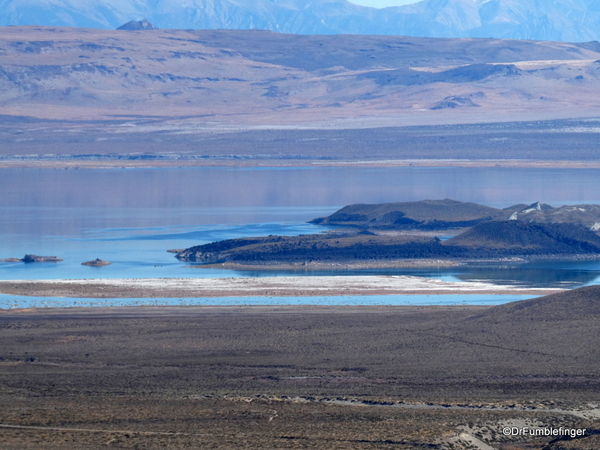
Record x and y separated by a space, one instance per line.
305 286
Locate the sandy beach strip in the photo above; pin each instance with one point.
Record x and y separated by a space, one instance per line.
257 287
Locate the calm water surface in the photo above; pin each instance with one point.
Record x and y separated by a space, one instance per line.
131 217
10 301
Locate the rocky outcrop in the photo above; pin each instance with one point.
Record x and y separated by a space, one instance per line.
489 240
587 216
455 102
330 247
491 234
96 263
41 259
139 25
33 259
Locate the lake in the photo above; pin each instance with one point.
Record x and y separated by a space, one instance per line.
132 217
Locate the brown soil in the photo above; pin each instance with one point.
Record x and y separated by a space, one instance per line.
273 377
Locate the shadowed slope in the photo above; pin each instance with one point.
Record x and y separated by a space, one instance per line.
578 304
561 329
515 236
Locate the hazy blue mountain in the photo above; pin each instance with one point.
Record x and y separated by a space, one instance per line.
566 20
292 16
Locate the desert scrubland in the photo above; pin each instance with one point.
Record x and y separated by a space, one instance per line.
302 376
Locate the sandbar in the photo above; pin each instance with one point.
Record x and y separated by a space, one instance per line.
287 286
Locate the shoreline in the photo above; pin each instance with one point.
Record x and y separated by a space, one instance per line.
185 311
313 266
319 286
316 266
109 163
160 310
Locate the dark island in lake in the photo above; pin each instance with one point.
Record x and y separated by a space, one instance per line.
96 263
34 259
407 231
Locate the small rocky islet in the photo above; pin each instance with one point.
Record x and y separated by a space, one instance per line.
34 259
96 263
53 259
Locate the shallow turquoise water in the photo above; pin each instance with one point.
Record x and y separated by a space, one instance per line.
141 253
12 302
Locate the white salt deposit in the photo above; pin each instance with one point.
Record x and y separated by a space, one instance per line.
334 285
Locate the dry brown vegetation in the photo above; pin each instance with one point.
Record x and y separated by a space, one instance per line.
175 97
275 377
257 77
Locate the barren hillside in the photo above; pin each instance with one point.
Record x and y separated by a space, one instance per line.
264 78
259 94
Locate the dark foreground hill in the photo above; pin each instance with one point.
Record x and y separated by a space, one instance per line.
578 304
560 327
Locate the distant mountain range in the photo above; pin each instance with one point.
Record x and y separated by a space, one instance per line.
560 20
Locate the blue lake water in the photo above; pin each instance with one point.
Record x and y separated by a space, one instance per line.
10 301
132 217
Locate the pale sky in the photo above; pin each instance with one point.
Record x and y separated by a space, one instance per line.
382 3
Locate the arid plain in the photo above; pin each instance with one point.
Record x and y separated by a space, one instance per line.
100 98
302 377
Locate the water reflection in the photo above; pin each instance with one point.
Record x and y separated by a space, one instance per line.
528 276
561 275
316 187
